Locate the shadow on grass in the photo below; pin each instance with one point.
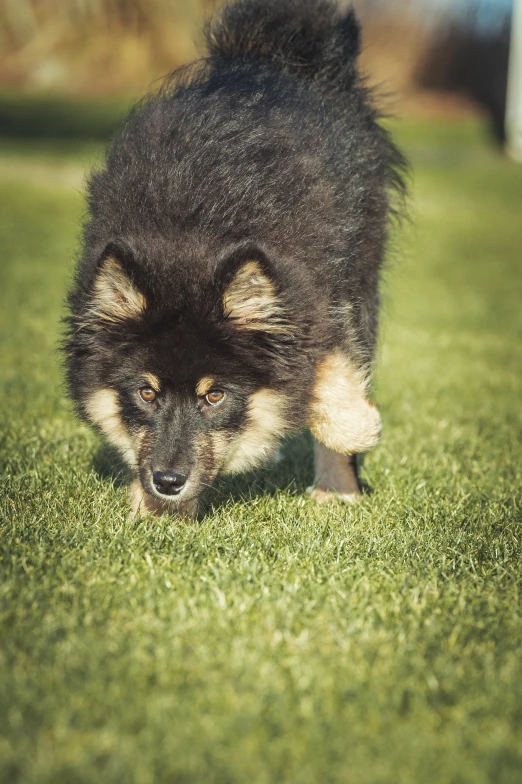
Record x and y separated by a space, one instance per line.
292 472
108 465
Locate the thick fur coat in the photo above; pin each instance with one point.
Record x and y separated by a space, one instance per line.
228 289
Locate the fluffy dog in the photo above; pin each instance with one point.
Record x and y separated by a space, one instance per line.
227 293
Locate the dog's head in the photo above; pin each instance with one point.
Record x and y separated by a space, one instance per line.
186 377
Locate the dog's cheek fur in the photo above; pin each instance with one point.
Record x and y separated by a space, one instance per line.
341 416
103 409
266 423
207 451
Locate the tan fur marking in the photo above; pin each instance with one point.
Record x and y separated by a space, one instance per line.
152 380
140 438
335 477
116 297
220 444
103 409
258 441
251 300
341 417
204 385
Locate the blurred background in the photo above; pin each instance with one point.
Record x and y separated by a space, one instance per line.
281 643
447 58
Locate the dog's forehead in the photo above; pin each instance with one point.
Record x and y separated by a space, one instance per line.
181 356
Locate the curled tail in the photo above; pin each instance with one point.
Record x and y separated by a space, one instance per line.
312 38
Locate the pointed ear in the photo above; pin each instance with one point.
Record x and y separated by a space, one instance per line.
251 301
116 296
341 416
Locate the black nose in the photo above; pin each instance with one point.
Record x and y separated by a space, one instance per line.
168 483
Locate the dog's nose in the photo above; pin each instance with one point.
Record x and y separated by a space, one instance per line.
167 482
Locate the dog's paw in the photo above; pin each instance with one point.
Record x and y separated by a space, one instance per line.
321 496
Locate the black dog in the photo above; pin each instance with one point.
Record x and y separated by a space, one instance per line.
228 289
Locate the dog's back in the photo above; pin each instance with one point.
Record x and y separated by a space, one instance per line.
301 60
261 168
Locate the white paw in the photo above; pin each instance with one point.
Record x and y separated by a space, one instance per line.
322 496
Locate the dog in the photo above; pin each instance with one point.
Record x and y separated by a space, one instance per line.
228 289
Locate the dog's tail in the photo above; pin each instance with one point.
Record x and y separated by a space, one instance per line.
312 38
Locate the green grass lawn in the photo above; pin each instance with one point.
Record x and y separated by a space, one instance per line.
275 641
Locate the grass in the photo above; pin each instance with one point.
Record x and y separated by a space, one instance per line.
275 641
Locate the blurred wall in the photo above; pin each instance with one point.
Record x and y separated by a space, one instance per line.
443 57
96 47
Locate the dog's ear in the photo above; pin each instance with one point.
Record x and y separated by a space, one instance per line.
341 416
250 299
116 296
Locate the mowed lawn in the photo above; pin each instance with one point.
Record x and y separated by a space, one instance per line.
275 641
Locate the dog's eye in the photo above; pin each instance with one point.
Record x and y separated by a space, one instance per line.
215 397
147 394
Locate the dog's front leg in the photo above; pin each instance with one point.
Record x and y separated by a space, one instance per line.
344 423
142 504
336 476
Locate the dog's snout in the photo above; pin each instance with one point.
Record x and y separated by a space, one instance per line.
168 482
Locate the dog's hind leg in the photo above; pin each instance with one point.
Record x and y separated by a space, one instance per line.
336 476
